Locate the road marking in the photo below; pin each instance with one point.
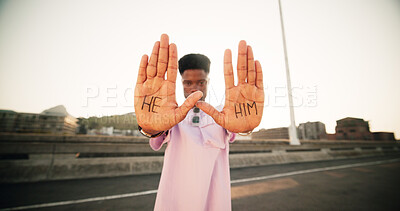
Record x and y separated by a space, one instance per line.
363 170
263 187
392 165
335 174
35 206
53 204
314 170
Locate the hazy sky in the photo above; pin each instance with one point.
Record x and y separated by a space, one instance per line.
344 55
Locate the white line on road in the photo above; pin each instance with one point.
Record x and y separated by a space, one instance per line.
82 200
53 204
313 170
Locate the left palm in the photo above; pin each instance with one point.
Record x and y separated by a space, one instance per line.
244 103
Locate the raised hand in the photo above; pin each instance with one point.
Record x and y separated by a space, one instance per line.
244 103
155 103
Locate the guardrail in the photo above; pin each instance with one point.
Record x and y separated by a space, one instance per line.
27 158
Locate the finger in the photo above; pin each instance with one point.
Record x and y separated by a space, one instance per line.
259 76
189 103
242 62
172 63
152 66
210 110
251 74
163 56
228 69
142 70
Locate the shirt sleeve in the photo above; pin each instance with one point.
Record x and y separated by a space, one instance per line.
231 136
156 143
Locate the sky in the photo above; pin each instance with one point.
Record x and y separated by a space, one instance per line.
344 55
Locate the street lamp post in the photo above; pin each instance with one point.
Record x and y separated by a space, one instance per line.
292 128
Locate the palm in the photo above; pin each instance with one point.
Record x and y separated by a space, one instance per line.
244 103
243 108
155 103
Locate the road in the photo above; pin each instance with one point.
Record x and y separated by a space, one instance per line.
352 184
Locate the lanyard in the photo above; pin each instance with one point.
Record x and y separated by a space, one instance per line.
196 117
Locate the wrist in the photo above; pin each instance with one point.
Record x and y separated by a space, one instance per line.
246 133
150 133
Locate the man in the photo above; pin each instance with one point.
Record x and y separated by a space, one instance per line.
195 174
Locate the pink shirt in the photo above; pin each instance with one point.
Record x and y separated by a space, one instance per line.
195 174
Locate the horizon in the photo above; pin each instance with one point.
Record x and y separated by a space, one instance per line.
343 55
255 130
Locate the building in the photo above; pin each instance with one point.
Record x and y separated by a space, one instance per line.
115 125
55 120
312 130
273 133
383 136
351 128
331 136
7 119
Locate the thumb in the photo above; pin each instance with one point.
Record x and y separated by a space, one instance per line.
210 110
189 103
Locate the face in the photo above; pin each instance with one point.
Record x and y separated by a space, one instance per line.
194 80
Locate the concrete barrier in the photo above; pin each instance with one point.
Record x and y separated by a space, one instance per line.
46 157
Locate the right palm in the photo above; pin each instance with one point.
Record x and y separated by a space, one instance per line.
155 103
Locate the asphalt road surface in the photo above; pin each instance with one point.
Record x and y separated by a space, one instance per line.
352 184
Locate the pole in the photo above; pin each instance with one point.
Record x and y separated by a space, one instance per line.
292 128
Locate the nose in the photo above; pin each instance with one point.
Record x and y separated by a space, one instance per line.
193 90
194 87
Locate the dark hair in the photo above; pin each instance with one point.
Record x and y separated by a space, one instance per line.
194 61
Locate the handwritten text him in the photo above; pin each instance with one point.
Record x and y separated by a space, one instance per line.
243 109
151 104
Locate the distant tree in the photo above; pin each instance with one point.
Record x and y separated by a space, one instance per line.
122 122
82 129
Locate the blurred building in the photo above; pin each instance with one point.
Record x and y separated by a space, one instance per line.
111 131
55 120
383 136
7 120
331 136
353 129
115 125
312 130
273 133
